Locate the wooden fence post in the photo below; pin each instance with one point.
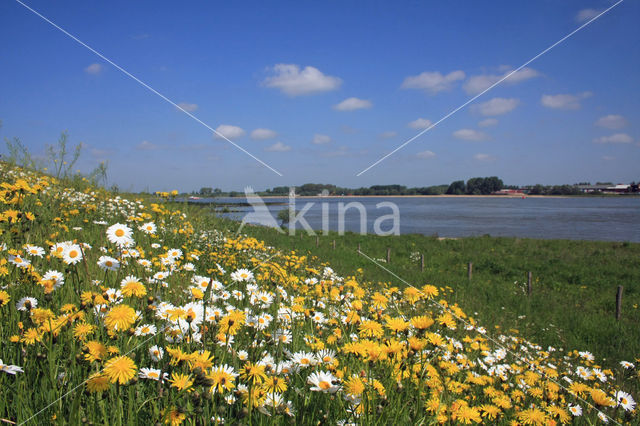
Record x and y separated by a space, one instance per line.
422 262
470 270
358 247
619 303
529 284
388 254
334 244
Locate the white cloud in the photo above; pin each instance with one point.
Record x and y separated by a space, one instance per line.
262 134
388 135
483 157
564 100
278 147
320 139
293 81
94 69
612 121
146 146
470 135
608 158
420 123
488 122
425 154
478 83
585 14
616 138
188 107
433 82
352 104
228 131
497 106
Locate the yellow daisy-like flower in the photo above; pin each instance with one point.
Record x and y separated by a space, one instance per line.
120 369
422 322
96 351
371 329
532 416
181 381
82 330
132 287
98 382
120 317
4 298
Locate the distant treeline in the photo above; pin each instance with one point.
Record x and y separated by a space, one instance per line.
473 186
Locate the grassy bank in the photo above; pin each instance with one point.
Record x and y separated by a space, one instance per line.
574 284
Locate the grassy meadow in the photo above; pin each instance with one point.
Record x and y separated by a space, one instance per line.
115 310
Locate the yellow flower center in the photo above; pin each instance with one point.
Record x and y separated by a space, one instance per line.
119 233
324 385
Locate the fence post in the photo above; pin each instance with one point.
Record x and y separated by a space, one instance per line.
334 244
619 303
388 254
422 262
529 286
470 270
358 247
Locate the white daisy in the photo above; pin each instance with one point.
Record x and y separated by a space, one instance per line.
120 235
323 382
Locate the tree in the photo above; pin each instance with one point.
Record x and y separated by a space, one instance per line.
456 188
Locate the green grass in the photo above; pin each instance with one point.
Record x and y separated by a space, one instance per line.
572 305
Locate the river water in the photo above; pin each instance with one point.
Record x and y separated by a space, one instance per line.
579 218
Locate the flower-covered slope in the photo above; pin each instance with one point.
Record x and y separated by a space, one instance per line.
116 311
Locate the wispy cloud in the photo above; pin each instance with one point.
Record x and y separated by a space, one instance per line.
478 83
615 138
419 124
263 134
188 107
564 100
433 82
352 104
484 157
585 14
425 154
320 139
146 146
608 158
496 106
612 121
488 122
293 81
278 147
470 135
229 132
94 69
388 135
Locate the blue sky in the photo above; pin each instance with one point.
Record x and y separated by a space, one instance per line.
332 86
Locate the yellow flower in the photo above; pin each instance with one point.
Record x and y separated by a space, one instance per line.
82 330
181 381
422 322
120 369
4 298
98 382
532 416
120 317
132 287
371 329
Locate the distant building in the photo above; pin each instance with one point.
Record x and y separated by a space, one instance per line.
611 189
510 192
